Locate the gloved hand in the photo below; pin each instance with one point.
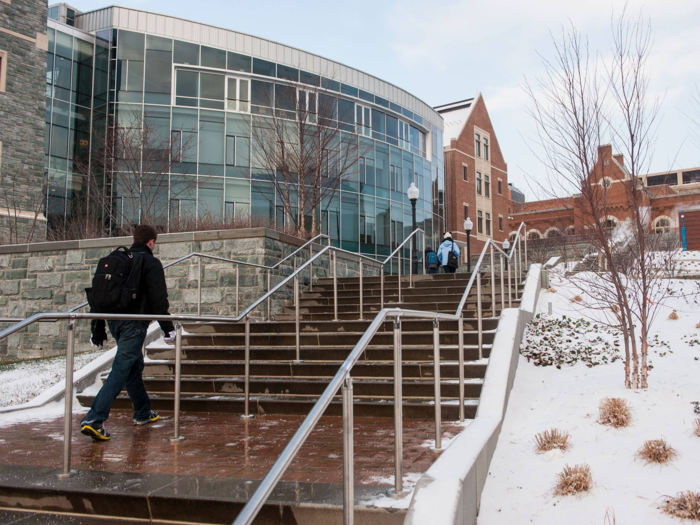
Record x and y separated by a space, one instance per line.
97 340
170 337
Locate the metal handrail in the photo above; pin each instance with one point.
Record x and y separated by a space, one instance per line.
343 381
221 259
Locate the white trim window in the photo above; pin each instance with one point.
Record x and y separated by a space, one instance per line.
662 225
404 135
363 120
238 94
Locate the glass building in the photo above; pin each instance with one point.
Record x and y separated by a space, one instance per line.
200 85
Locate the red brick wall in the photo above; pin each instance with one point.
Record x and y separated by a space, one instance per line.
459 192
692 228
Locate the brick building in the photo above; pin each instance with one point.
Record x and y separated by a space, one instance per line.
23 45
664 193
476 174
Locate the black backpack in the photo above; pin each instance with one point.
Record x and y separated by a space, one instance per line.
452 259
116 284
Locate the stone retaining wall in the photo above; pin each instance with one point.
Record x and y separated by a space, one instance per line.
52 277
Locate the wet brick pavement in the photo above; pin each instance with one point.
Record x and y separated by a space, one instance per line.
224 445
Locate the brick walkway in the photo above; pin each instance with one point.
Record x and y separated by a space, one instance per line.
223 445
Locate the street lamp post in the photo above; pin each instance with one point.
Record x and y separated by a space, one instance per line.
506 245
468 225
413 194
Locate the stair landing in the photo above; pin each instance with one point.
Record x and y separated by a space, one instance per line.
220 445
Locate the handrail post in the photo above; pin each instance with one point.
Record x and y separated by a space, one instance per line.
348 454
246 370
398 412
411 253
269 299
525 230
493 283
399 275
199 286
296 318
503 289
381 287
294 269
237 294
520 254
68 414
311 267
422 236
510 297
479 312
176 438
436 378
335 287
460 331
361 293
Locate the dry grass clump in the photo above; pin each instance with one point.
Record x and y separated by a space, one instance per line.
615 309
577 299
657 451
696 427
573 480
552 439
697 326
673 316
686 506
551 290
615 412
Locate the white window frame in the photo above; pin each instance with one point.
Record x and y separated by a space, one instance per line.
364 122
238 101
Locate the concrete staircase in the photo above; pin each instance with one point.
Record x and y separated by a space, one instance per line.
213 355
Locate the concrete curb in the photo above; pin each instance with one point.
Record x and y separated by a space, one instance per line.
450 491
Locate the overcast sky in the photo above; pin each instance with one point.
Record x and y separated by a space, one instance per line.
443 51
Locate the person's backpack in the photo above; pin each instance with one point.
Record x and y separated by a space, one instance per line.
452 259
431 261
116 284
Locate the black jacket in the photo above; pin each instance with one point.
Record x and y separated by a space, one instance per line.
153 280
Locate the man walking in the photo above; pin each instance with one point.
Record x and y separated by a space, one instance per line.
130 336
448 253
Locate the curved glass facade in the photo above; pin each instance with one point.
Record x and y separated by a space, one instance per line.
197 103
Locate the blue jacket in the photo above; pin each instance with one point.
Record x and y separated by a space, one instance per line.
444 249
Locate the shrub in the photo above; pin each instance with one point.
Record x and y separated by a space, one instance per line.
686 505
552 439
656 451
577 299
573 480
614 412
673 316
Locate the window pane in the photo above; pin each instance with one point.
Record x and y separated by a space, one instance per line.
64 45
130 45
186 53
158 71
378 126
261 93
392 130
348 90
263 67
287 73
242 151
187 84
285 97
332 85
135 78
212 86
230 151
346 113
212 57
238 62
369 97
309 78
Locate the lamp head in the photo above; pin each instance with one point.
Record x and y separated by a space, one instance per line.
468 224
506 244
413 192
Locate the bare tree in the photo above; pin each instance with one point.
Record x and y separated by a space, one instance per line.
22 212
299 142
128 174
576 109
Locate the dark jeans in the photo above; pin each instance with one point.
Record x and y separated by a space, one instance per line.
126 372
449 270
429 271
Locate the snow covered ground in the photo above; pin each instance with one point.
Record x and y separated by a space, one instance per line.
519 487
20 382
